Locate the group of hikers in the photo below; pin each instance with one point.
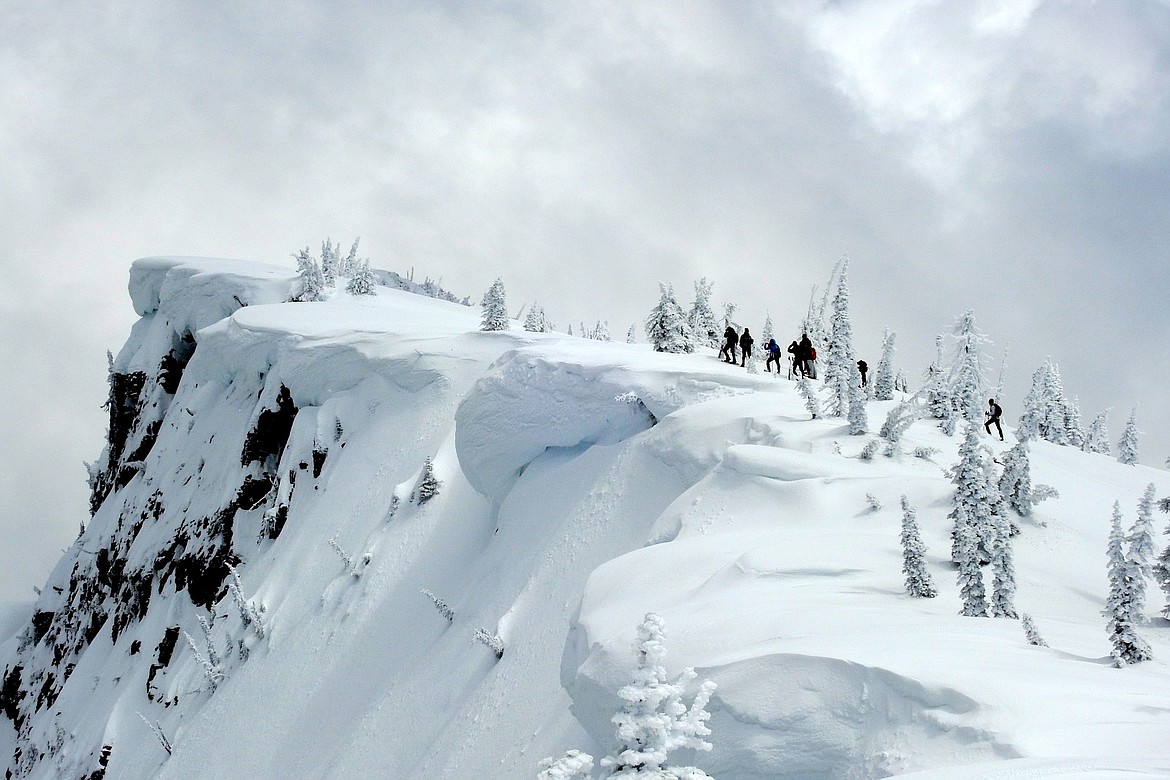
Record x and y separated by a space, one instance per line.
802 354
803 363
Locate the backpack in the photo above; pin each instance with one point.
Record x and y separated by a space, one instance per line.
813 353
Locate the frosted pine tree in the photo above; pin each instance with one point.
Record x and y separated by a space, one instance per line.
534 322
967 380
1015 484
1128 445
1140 553
1162 566
1128 647
970 576
329 262
918 580
666 327
1074 430
938 397
809 393
1030 633
1054 426
348 265
975 497
312 283
883 380
653 721
701 318
767 334
495 310
1097 437
428 484
571 766
631 335
729 314
1033 408
361 280
601 332
845 396
1003 583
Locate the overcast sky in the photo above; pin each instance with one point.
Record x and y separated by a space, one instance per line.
1012 157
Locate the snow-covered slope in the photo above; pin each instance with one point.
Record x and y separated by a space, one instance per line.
249 589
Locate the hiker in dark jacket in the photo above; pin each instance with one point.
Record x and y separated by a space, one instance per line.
807 355
727 351
745 347
994 412
797 363
863 367
773 356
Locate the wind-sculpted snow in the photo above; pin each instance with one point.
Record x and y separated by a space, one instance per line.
248 598
540 398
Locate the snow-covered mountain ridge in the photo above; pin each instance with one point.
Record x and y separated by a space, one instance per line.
249 589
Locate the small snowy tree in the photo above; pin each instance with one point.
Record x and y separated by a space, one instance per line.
329 261
1074 430
428 484
1140 554
571 766
495 310
654 721
918 580
667 327
840 378
1003 584
1161 569
631 335
968 381
809 393
534 322
1128 647
1030 633
1015 483
970 576
1097 437
883 380
768 333
601 332
361 280
974 499
1127 447
701 318
312 283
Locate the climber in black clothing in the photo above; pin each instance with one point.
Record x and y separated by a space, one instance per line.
863 367
727 351
745 347
994 412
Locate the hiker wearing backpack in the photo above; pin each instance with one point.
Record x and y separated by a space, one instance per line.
862 367
773 356
730 339
795 364
745 346
808 354
994 412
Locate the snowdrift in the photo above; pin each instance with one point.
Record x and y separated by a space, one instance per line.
248 597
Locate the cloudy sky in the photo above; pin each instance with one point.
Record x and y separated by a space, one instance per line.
1009 156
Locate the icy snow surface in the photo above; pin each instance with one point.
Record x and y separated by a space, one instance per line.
583 484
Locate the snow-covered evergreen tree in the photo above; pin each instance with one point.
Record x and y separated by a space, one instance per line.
918 580
312 283
428 484
601 332
631 335
361 279
729 314
329 262
1003 583
1161 569
970 576
1128 445
1140 553
666 327
809 393
1074 430
1015 483
974 499
571 766
840 377
768 333
534 322
935 388
653 721
1128 647
883 379
1030 633
701 318
495 309
1097 437
349 264
967 382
